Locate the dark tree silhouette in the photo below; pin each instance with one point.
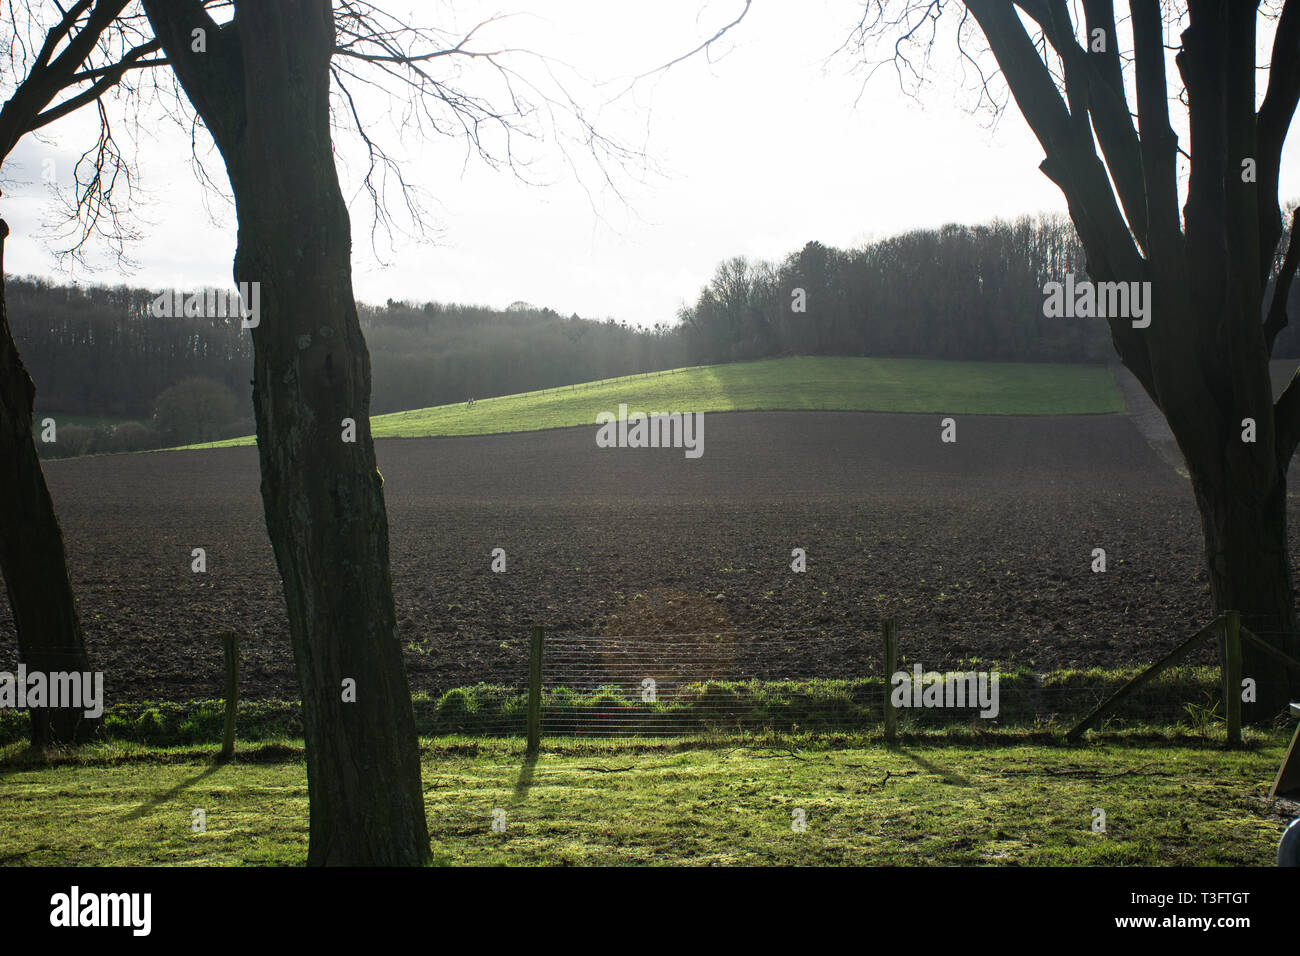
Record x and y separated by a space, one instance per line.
1204 357
261 83
82 54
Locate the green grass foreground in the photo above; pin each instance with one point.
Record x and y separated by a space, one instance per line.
800 383
932 800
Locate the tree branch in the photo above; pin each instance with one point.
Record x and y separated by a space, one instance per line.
108 78
1072 163
1159 145
1095 84
46 79
1273 122
213 80
56 34
703 47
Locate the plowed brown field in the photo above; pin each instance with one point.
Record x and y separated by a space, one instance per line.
981 549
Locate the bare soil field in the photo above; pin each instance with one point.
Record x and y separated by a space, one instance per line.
982 549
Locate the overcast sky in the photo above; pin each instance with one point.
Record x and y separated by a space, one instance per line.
757 152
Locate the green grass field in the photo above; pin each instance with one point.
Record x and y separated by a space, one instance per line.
846 384
928 801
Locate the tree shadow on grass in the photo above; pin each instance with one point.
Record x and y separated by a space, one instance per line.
949 777
525 780
146 808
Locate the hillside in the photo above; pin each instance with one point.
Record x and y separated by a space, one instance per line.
794 384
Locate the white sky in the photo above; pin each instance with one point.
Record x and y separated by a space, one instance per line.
763 149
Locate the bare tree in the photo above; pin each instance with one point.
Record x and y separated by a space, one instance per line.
261 84
64 62
1080 75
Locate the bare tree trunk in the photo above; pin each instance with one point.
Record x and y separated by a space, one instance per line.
262 88
1248 558
322 496
1239 486
1203 353
32 556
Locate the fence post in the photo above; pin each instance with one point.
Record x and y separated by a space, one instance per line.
1232 675
231 646
535 691
889 633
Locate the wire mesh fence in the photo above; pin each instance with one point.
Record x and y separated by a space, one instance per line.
822 680
670 684
742 682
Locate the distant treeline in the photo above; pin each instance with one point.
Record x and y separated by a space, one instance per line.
98 351
435 354
956 292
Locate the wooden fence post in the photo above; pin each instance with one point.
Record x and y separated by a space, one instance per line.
535 691
231 646
1232 675
889 634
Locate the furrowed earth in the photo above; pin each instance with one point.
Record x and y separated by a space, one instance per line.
981 549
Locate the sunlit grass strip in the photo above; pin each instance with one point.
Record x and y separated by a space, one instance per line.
728 803
795 384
